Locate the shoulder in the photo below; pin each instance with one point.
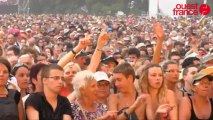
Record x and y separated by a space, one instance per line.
113 96
34 98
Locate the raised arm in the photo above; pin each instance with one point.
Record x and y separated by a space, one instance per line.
96 57
160 38
83 43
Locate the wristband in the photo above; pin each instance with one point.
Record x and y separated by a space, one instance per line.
99 49
126 114
74 52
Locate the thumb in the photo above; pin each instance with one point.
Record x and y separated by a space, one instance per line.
104 28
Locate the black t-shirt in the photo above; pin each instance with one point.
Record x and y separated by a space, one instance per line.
39 102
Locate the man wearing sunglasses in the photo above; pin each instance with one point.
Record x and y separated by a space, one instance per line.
49 105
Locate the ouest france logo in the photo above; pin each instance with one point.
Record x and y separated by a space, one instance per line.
191 9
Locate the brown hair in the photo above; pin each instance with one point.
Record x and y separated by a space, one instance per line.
144 84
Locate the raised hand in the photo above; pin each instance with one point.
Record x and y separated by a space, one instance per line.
84 42
158 31
103 37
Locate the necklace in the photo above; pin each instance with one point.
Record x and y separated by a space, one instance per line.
84 111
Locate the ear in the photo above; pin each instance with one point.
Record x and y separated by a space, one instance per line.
82 90
34 81
130 78
193 88
44 81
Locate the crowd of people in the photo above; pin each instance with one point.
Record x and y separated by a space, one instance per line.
84 67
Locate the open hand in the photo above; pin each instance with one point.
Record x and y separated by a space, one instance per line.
158 31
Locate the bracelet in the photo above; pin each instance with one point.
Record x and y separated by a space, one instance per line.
74 52
126 114
99 49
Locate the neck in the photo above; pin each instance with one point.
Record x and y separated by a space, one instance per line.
201 99
69 87
50 96
102 100
23 92
3 90
129 92
153 92
187 88
86 103
171 86
38 90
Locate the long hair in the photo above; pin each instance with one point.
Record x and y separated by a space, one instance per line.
144 83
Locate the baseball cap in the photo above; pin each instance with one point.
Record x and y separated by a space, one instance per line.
100 75
140 45
109 59
199 76
208 70
207 58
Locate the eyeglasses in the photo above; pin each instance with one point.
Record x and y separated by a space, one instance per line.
56 77
172 71
107 84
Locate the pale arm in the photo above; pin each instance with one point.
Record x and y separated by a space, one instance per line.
173 114
70 56
160 36
32 113
184 109
96 57
21 110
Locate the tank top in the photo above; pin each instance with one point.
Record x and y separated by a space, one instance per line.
193 115
131 116
9 106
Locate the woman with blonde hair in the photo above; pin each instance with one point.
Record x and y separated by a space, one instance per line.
70 70
152 82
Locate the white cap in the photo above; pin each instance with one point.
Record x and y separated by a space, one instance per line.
140 45
99 76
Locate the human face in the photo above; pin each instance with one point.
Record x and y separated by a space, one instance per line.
111 65
202 87
69 73
121 82
10 39
172 73
175 58
103 89
133 58
54 81
27 60
191 72
22 76
42 59
4 74
155 77
91 90
10 53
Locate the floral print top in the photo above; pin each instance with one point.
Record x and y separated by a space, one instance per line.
80 114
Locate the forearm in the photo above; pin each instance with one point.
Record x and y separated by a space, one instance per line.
157 53
123 116
95 60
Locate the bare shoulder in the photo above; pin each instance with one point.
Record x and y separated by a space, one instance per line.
170 93
185 101
113 97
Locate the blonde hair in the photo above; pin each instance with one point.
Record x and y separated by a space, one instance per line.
144 84
70 64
